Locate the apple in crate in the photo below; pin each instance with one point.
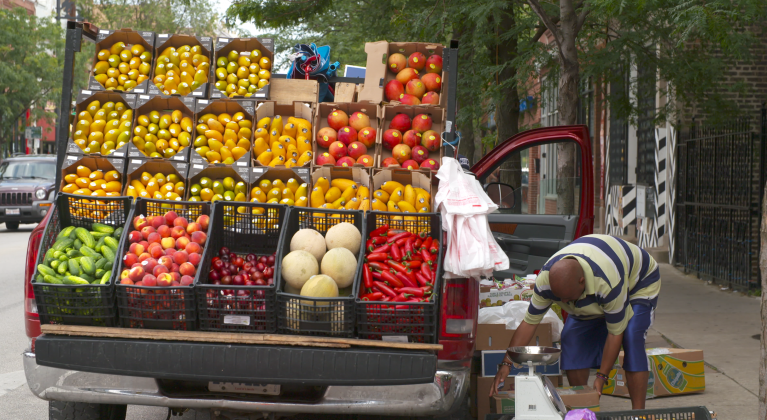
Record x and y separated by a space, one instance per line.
389 162
345 162
422 123
430 164
367 136
419 154
401 152
326 136
338 150
412 138
359 120
408 99
434 64
393 90
391 138
407 75
337 119
432 81
401 122
410 164
417 61
430 98
356 149
347 135
396 62
431 141
365 160
325 159
416 88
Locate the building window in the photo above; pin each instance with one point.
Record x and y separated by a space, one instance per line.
619 133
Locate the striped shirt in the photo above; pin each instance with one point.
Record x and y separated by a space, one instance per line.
616 273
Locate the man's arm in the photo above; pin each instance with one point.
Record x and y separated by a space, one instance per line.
609 356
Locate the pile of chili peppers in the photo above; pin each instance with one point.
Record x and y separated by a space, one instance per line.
400 266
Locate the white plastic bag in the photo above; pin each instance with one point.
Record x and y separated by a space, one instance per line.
513 313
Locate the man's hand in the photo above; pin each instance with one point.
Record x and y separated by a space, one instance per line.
502 375
599 383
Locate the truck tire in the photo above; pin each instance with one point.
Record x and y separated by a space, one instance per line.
63 410
12 225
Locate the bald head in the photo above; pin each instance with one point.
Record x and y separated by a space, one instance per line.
566 280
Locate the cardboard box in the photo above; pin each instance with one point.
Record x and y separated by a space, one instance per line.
377 74
479 395
388 112
358 175
136 166
302 175
403 176
106 164
85 98
165 105
220 106
497 297
163 41
574 397
497 337
106 38
244 46
672 372
321 121
214 173
287 91
345 92
269 109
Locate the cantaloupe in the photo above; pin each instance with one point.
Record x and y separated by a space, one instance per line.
310 241
298 267
344 235
340 265
292 290
320 286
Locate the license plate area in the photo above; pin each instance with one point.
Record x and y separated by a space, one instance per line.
244 388
12 212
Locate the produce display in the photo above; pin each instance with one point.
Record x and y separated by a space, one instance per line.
181 70
80 256
162 135
226 189
283 143
223 138
158 187
395 197
277 192
122 67
418 79
320 266
410 142
229 268
164 251
242 74
338 194
348 139
400 266
103 128
93 183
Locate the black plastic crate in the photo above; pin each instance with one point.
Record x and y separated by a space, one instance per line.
68 304
418 322
161 308
244 228
679 413
317 316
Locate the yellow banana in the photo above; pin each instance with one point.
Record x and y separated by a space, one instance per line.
333 194
363 192
409 195
390 186
323 184
264 123
396 195
317 197
342 183
378 205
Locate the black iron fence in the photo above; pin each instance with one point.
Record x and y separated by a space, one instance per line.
720 177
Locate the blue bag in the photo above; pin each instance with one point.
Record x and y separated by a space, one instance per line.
313 62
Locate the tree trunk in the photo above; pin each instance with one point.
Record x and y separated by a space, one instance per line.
597 152
763 269
466 147
507 110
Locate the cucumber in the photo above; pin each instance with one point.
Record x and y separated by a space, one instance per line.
99 235
65 232
63 243
62 268
108 253
85 237
88 252
63 257
57 254
74 280
74 266
45 270
73 253
55 264
97 248
99 273
108 265
52 280
86 276
48 255
118 233
100 263
105 278
99 227
87 264
111 242
78 243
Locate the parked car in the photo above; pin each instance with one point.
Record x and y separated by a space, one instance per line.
26 189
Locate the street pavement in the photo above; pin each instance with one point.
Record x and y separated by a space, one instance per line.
691 314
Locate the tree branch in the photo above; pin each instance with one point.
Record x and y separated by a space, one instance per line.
582 18
547 20
542 30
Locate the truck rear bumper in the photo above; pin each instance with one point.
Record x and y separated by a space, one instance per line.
439 397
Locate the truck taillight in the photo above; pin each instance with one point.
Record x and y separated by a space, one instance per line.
458 319
31 318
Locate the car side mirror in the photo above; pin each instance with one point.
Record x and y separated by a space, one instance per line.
501 194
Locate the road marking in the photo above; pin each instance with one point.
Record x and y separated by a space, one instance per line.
11 380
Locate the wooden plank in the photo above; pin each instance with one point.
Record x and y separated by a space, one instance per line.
287 91
239 338
345 92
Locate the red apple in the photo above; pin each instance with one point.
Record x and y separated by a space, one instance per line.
434 64
186 281
365 160
325 159
164 231
177 232
431 98
391 138
347 135
149 280
431 164
410 164
412 138
193 227
338 150
396 63
187 269
401 152
406 75
159 269
356 149
146 230
154 237
168 243
422 123
408 99
367 136
165 280
136 273
193 248
135 236
388 162
419 154
326 136
359 120
345 162
401 122
170 217
194 258
416 88
393 90
180 221
130 259
337 119
431 141
203 220
432 81
417 61
182 242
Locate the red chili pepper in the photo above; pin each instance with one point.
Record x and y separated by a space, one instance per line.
396 254
417 257
426 256
426 270
422 280
415 291
379 240
398 236
406 282
409 247
434 248
422 234
415 300
386 299
394 232
400 298
377 276
382 248
367 276
376 265
368 244
396 265
392 279
372 296
426 243
380 231
378 256
417 244
402 307
384 289
401 242
411 275
415 264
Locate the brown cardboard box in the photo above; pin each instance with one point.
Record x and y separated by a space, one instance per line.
321 121
135 167
217 107
163 41
214 173
164 105
403 176
346 92
479 395
494 297
85 98
497 337
302 175
576 397
106 164
388 112
377 75
358 175
672 372
244 46
287 91
107 38
269 109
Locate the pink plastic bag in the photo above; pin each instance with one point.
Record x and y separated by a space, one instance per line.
581 414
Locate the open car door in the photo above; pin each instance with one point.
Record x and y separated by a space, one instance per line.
542 182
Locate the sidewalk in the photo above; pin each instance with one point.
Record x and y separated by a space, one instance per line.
692 314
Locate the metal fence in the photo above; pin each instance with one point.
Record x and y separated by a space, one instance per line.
719 190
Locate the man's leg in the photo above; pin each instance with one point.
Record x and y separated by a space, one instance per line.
582 343
637 384
635 358
578 377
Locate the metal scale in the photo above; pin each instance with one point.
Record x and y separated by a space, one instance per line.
535 395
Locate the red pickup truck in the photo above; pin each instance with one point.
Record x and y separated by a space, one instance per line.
96 378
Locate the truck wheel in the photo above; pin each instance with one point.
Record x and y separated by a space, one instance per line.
12 225
63 410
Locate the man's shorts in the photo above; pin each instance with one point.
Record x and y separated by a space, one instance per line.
584 341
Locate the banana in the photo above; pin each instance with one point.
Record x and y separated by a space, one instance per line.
342 183
390 186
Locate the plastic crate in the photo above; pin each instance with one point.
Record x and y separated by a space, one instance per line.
161 308
243 232
317 316
679 413
68 304
418 322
